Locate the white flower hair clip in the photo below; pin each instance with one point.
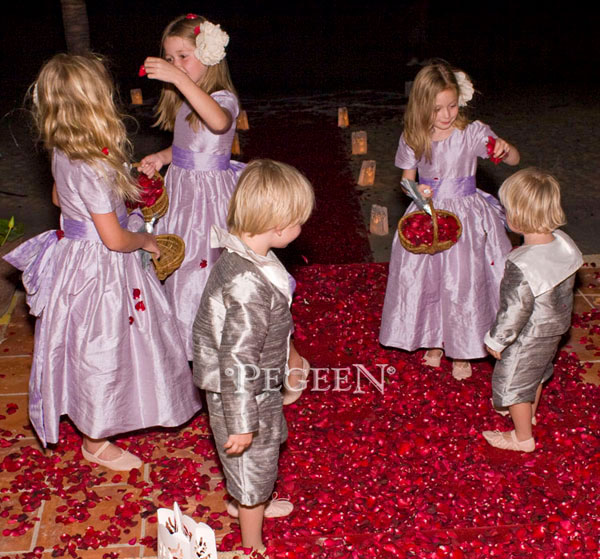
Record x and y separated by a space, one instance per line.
465 88
211 41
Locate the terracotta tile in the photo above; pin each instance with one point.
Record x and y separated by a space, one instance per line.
19 333
18 421
8 544
581 304
100 516
14 374
123 551
588 280
592 374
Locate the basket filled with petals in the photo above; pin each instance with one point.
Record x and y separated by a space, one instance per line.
172 252
422 233
154 201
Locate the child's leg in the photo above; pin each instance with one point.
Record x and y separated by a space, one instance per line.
251 522
296 365
521 415
538 394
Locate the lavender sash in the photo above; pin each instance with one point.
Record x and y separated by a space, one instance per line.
36 258
198 161
451 188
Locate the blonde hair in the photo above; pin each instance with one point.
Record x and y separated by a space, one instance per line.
216 78
75 112
419 116
269 194
531 198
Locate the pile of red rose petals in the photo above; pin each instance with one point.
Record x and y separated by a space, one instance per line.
418 228
490 145
388 466
150 191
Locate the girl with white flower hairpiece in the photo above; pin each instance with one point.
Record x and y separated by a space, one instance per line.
446 302
199 104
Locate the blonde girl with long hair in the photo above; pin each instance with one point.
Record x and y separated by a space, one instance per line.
199 104
446 302
106 351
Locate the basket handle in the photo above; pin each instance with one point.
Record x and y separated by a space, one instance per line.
435 221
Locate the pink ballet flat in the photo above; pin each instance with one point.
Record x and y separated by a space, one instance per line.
290 395
276 508
123 463
433 357
461 370
497 439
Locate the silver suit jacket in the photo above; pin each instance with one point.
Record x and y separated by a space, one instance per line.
242 329
536 292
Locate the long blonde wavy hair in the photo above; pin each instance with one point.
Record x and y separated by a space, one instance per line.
419 116
75 112
216 78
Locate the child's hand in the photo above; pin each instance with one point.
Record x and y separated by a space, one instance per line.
496 354
150 245
236 444
160 69
501 149
425 190
151 164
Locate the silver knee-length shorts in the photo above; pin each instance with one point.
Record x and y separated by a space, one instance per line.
251 475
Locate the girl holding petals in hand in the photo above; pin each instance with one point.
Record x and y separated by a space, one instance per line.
107 352
199 103
447 301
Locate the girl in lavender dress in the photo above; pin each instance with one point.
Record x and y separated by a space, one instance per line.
447 301
199 103
107 352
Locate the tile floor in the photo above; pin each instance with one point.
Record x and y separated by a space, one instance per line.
43 531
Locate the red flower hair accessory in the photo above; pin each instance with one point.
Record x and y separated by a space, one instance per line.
197 30
191 16
105 150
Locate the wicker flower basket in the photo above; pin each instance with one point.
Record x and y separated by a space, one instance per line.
172 252
415 235
160 207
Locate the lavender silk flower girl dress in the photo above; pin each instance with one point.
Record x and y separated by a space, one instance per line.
449 299
199 182
107 352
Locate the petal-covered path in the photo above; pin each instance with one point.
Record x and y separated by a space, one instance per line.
390 465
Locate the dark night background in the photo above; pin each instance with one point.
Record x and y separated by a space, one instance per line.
310 47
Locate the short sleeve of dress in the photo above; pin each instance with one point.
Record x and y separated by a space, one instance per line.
94 191
478 134
227 100
405 156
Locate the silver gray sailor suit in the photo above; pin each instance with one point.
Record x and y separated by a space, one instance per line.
241 343
536 300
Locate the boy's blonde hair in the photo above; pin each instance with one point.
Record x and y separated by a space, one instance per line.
75 112
531 199
217 77
419 116
269 194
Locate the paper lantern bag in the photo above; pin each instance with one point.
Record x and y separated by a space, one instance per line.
181 537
